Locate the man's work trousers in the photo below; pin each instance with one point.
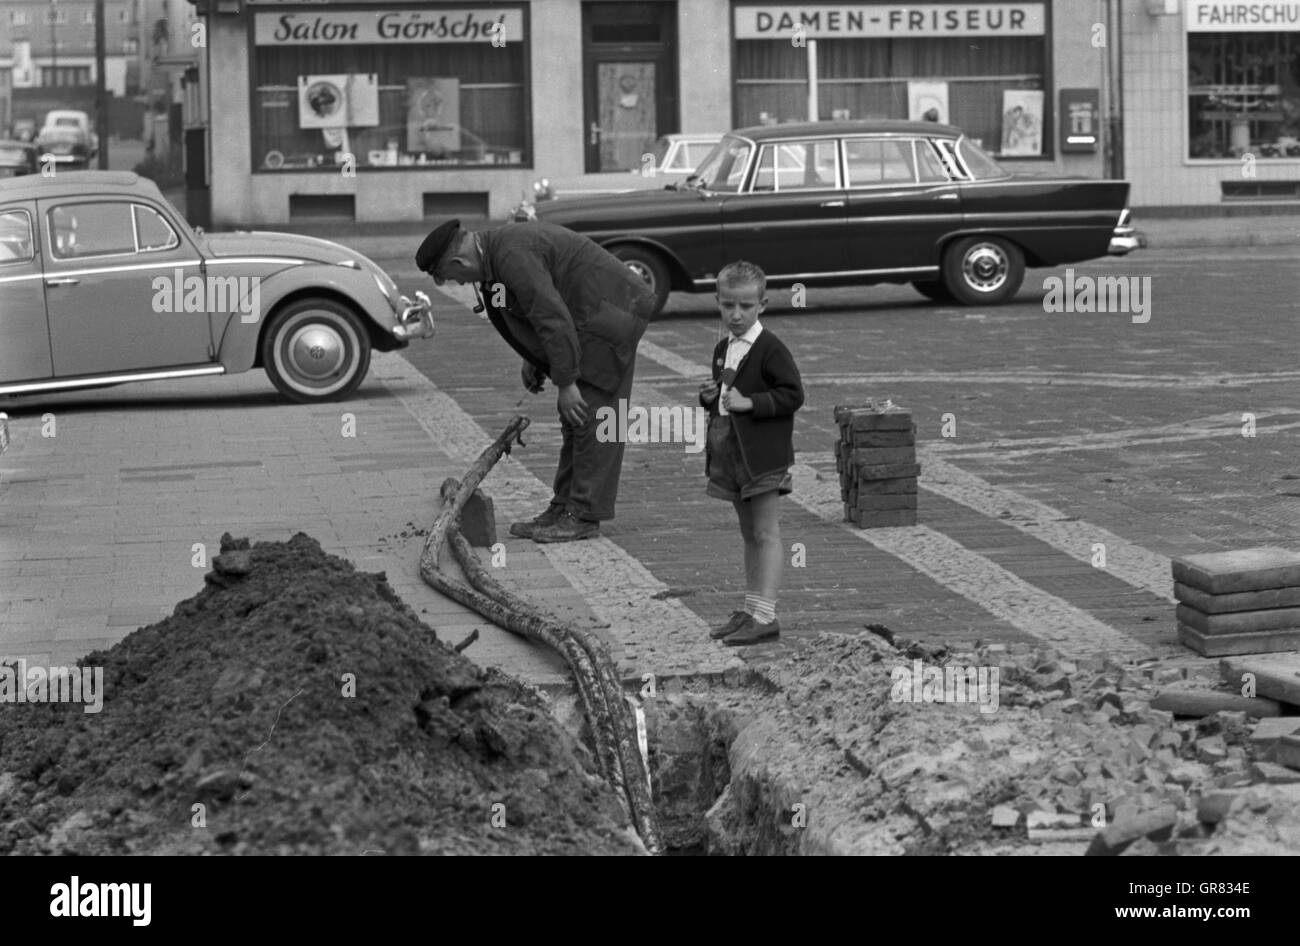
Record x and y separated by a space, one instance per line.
586 481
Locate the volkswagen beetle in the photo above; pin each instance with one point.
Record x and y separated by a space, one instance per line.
102 282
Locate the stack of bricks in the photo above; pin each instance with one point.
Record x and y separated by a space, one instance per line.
876 460
1242 602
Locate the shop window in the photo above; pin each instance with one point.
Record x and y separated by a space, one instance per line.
878 79
407 104
1243 95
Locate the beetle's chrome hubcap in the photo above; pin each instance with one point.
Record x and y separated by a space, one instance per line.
985 267
316 352
642 270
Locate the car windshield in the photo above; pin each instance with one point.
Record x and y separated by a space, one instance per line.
982 167
724 168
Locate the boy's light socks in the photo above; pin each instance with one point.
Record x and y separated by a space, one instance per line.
764 609
751 602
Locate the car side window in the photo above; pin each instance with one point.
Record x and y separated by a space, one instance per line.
796 165
16 243
676 158
103 228
928 166
152 232
696 152
878 161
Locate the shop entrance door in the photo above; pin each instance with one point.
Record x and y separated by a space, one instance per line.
631 81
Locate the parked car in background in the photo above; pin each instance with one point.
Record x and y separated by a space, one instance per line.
102 282
17 158
673 158
24 129
69 136
842 203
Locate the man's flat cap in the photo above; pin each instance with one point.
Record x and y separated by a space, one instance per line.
435 244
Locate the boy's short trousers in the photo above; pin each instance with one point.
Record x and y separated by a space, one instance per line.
726 470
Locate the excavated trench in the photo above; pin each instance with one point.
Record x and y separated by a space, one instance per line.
296 705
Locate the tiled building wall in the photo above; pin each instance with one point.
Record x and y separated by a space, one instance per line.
1155 121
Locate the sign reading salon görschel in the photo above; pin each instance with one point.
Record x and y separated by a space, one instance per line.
780 21
326 27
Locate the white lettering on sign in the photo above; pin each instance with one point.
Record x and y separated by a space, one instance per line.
354 27
1223 17
949 19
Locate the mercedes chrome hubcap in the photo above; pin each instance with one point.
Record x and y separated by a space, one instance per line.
985 267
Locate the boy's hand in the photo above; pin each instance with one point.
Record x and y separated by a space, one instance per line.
735 402
709 391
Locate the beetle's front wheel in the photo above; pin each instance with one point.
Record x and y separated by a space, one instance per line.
316 350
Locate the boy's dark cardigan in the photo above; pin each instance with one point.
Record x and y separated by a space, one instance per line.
766 375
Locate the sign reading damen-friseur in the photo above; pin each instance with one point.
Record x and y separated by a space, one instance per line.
1260 16
325 27
779 21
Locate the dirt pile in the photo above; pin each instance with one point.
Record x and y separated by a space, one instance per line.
295 705
844 758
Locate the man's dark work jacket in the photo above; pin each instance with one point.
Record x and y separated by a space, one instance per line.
767 376
571 308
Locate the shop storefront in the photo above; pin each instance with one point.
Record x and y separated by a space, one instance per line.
377 111
984 67
1213 102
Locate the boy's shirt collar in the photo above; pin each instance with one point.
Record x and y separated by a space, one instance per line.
750 336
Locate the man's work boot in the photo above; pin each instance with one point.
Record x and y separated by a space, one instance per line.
525 530
566 528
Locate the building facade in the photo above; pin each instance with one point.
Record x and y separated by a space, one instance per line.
379 111
45 44
1212 101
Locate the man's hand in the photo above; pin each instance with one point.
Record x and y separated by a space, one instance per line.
533 378
709 391
735 402
571 405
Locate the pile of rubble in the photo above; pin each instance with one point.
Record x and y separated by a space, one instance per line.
1066 757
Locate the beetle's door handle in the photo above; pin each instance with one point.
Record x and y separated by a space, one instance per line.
69 281
831 203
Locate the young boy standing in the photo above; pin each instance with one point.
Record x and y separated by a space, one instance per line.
751 400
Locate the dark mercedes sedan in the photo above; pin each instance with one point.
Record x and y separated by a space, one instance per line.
843 203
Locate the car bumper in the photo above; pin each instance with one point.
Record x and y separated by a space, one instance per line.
1123 238
416 318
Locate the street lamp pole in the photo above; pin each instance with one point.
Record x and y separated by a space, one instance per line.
54 43
101 87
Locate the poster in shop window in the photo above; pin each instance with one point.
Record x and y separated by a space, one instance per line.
1022 122
927 102
338 101
433 115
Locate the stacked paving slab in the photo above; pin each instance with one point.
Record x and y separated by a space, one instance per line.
1242 602
876 460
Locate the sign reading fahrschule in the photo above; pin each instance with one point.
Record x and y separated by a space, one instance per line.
1261 16
352 27
841 21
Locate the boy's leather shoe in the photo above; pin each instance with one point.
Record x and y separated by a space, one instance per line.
566 528
525 530
753 633
734 623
